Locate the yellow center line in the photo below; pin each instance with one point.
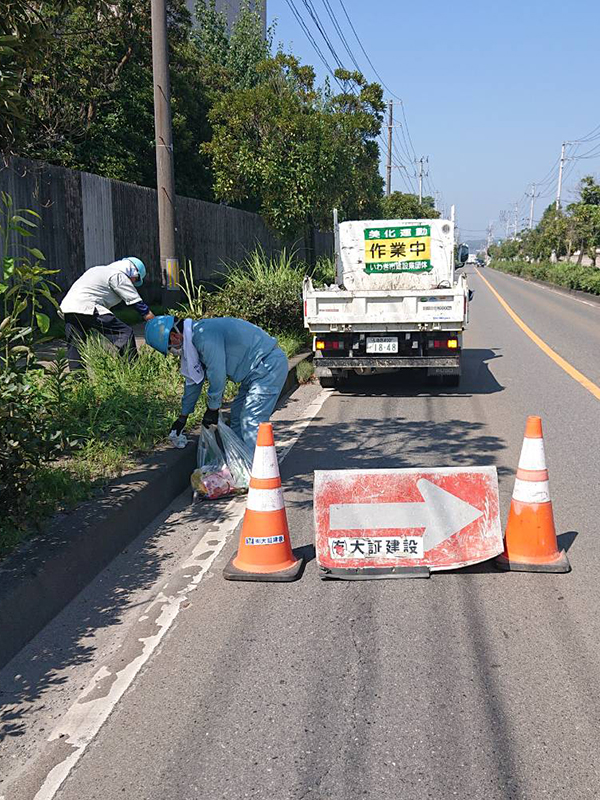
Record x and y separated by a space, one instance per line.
568 368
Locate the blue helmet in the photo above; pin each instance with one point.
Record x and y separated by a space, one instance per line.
157 332
141 268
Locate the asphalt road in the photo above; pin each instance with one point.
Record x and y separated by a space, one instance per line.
473 684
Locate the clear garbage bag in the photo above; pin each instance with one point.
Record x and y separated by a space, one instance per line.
212 477
223 463
237 455
210 456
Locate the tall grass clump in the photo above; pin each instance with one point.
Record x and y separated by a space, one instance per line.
266 291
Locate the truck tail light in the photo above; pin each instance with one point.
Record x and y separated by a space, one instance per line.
452 344
320 344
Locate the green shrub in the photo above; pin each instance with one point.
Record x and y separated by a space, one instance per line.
264 291
29 431
324 272
571 276
293 342
29 438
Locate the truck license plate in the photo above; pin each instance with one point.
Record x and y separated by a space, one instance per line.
382 344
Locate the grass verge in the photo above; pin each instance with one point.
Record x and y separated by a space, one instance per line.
571 276
108 416
305 371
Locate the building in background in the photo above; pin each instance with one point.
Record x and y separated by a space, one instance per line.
231 10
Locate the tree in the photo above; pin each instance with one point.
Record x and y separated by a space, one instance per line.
399 205
89 102
23 35
294 152
229 61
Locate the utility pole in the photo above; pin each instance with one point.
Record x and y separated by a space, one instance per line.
490 236
516 220
560 174
420 162
389 154
533 196
165 173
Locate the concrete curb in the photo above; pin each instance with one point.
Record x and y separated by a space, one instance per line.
592 298
47 572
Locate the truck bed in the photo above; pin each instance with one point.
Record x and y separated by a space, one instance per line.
399 310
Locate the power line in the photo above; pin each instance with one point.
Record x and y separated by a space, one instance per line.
311 39
377 75
395 155
593 153
405 129
591 136
340 33
315 18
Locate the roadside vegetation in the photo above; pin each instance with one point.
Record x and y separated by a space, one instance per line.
65 434
555 248
251 127
572 276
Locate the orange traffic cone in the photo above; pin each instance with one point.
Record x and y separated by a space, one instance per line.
264 552
530 542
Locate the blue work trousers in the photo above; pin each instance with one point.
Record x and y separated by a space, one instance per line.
258 396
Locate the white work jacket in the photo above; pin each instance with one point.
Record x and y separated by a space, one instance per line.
99 289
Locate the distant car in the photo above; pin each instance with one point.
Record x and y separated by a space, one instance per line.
480 262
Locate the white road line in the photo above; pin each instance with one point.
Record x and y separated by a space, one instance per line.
550 289
287 438
85 718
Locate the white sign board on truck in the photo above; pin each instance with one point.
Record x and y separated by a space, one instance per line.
396 254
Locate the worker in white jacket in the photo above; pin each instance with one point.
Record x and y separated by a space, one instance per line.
87 306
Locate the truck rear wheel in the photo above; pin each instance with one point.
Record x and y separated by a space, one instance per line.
450 380
328 383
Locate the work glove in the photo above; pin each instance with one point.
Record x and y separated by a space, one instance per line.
211 417
176 436
179 425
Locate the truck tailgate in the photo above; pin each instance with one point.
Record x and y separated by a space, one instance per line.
383 310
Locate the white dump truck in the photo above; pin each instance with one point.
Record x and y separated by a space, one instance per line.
396 302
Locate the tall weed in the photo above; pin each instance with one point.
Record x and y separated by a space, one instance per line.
266 291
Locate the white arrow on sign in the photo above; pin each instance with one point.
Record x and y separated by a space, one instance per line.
441 514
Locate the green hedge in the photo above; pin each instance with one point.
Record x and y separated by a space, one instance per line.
585 279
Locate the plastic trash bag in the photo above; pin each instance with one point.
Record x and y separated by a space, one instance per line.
237 455
223 464
210 456
212 478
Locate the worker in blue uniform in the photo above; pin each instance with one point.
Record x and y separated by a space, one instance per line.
219 348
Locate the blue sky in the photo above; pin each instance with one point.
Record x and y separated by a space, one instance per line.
490 90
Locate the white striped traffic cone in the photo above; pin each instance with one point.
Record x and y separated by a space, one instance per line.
265 552
530 541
